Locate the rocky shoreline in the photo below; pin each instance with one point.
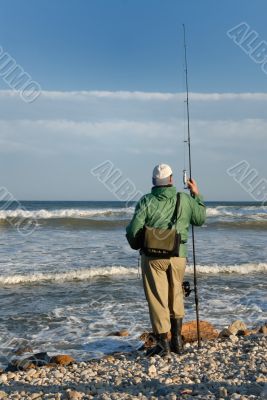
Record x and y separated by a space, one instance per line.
228 367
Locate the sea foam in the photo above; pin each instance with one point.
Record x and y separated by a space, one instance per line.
65 213
251 212
91 273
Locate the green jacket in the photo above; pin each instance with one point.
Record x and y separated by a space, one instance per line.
156 209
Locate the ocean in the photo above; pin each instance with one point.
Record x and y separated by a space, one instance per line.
70 279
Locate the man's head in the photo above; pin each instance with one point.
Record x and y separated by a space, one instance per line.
162 175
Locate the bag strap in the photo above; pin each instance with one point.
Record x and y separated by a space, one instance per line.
174 216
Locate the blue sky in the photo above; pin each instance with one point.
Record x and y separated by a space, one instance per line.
91 56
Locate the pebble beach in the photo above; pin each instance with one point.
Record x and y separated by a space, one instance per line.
232 368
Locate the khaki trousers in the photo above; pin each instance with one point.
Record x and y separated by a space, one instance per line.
162 279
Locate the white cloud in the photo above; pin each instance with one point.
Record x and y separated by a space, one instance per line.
155 96
134 129
142 136
140 96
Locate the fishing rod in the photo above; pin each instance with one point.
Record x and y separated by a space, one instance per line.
188 141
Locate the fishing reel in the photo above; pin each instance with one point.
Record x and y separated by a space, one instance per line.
186 288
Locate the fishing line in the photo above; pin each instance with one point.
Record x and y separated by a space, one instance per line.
190 177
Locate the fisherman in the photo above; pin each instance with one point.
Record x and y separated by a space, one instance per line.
163 274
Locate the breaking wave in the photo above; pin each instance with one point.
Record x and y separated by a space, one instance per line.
242 269
66 213
237 216
251 217
109 271
231 211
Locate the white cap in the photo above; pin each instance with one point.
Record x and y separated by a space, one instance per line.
161 174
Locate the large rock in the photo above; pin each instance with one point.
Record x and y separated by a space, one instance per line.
21 365
189 333
263 329
62 359
38 360
237 326
225 333
123 332
245 332
207 331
